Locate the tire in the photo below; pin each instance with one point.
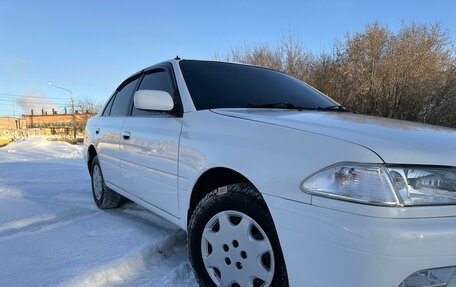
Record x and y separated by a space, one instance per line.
210 248
104 197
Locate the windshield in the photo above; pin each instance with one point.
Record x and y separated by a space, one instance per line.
225 85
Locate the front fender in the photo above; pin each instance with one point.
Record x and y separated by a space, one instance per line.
274 158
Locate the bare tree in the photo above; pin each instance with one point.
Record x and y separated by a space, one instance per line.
407 75
88 104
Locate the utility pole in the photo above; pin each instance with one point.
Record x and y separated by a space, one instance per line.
73 116
72 106
14 106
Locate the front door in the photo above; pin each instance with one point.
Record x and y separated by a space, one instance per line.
150 147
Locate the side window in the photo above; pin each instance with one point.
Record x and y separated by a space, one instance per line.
121 102
107 110
157 80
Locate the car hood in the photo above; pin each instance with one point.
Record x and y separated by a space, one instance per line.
395 141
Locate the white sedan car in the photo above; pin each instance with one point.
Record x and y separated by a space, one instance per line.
275 183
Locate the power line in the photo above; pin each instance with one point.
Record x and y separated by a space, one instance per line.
36 108
11 95
33 99
9 103
28 96
2 105
34 103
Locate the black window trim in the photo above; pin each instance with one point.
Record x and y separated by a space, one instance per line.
111 99
168 68
137 76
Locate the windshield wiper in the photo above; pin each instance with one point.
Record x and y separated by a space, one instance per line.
279 105
337 108
290 106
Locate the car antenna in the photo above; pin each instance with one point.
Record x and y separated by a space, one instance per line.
177 58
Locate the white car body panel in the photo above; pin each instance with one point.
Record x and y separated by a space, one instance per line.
346 249
211 140
108 146
395 141
325 242
186 99
149 160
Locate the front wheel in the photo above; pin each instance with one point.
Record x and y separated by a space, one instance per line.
233 241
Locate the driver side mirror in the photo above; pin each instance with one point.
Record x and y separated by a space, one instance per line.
153 100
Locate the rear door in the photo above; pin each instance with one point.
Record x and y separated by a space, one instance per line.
150 146
108 131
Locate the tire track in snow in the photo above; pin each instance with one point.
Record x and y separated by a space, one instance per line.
59 237
42 222
137 264
7 191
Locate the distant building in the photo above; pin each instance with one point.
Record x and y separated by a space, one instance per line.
58 124
12 123
56 120
67 125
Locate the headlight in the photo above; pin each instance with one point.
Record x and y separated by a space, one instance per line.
439 277
424 185
385 185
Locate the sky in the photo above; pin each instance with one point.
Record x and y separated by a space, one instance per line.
90 46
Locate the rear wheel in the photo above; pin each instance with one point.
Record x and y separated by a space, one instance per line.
233 242
103 196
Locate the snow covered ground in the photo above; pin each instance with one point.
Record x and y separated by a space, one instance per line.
52 234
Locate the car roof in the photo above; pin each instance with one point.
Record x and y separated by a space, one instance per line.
177 59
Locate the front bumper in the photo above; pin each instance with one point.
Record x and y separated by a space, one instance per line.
324 247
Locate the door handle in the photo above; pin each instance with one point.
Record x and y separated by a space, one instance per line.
97 131
126 135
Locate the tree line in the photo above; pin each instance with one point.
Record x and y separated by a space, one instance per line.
409 74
